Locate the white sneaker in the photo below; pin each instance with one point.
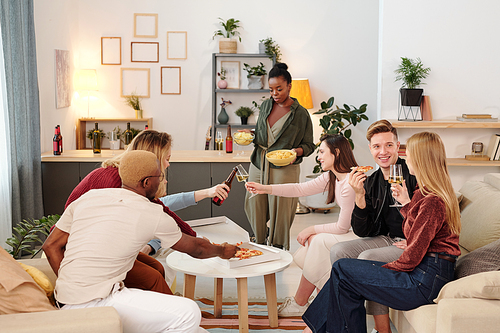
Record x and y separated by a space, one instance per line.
290 308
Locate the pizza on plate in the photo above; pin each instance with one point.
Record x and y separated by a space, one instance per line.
362 168
247 253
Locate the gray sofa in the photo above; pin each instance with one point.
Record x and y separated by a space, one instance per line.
470 303
91 320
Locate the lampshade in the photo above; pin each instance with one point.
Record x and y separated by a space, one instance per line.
302 92
86 79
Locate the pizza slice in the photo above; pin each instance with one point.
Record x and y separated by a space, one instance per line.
362 168
244 253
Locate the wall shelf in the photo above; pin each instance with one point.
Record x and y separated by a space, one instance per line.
81 127
445 124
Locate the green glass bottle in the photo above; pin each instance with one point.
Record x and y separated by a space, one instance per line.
96 138
128 136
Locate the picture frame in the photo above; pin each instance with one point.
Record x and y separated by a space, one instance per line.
171 80
144 52
135 81
111 50
145 25
176 45
232 73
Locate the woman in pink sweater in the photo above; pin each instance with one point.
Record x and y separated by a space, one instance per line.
336 158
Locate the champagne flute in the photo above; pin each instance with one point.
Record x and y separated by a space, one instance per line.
219 142
396 177
242 176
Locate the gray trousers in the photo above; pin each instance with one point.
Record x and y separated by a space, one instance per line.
378 248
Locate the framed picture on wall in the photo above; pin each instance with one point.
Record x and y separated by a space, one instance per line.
171 80
145 25
232 73
144 51
134 81
63 82
111 50
176 44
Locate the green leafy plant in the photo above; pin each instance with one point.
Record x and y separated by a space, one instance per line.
272 48
27 233
257 105
336 121
118 132
230 28
133 101
90 134
411 72
255 71
222 73
244 112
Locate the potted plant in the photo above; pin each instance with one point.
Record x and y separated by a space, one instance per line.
134 102
223 117
255 76
244 112
411 72
227 44
222 84
90 133
271 48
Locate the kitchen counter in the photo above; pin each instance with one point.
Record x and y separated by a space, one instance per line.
193 156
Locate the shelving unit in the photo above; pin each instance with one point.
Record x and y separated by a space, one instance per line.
215 90
81 127
423 125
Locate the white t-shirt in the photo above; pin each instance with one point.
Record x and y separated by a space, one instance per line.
107 228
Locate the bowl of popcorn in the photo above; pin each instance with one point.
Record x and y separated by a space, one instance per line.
281 157
243 138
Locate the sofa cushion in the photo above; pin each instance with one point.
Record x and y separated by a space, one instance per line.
483 285
18 291
484 259
480 212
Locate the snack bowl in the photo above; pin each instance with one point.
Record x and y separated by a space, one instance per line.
281 157
243 138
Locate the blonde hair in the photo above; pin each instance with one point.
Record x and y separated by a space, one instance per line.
159 143
428 159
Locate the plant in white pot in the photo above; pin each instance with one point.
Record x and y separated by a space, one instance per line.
411 72
255 75
227 44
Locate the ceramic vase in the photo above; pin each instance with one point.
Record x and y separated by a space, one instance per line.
222 84
256 82
223 117
138 114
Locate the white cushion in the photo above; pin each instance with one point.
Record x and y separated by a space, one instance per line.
482 285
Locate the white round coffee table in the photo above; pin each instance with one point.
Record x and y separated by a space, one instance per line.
192 267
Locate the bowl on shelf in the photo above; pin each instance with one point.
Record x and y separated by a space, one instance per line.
243 138
281 157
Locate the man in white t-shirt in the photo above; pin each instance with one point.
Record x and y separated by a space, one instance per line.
91 265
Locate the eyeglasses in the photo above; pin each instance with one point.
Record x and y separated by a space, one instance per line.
160 177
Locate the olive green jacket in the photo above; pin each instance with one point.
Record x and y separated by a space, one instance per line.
297 132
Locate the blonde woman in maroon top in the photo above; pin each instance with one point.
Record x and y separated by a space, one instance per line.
431 227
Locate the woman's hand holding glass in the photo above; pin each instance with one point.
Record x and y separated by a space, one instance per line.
256 188
400 193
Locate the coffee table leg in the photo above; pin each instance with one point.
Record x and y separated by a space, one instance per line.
243 304
189 283
272 302
218 297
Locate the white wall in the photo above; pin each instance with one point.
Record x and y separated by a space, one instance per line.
458 40
333 43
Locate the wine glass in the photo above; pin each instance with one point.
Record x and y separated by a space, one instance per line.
219 142
242 139
242 176
396 177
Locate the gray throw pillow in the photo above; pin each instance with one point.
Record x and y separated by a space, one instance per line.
484 259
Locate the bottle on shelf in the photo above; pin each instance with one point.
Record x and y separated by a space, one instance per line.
60 138
229 140
96 140
228 181
56 142
128 136
146 127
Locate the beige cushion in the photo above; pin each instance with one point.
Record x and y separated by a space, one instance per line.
483 285
423 319
484 259
18 292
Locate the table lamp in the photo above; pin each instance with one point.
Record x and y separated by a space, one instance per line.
86 79
302 92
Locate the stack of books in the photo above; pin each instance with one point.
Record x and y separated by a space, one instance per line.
476 117
494 148
402 150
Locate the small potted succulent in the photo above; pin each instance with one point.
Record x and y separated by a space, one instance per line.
271 48
134 102
244 112
255 75
227 44
222 84
411 72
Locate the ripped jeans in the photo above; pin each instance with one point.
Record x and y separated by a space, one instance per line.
340 305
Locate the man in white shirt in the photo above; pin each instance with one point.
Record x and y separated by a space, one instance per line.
91 265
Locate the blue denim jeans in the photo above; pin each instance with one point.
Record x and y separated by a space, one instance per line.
339 307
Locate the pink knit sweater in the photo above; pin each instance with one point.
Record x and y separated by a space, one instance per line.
344 197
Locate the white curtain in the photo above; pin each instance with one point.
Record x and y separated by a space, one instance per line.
5 172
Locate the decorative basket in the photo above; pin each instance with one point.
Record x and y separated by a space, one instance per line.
228 46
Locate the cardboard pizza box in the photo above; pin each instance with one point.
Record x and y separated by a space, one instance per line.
268 254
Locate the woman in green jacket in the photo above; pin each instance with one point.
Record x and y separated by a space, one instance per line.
282 124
